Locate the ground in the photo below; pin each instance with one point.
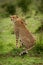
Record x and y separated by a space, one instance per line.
26 60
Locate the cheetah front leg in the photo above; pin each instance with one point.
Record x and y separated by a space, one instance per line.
17 38
21 43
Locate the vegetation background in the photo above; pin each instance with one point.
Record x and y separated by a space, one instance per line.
32 12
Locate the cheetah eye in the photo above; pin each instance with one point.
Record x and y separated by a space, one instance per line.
13 17
22 22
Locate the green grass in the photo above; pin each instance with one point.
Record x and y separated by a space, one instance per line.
6 36
26 60
7 43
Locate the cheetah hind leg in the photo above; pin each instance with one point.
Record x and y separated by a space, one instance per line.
24 52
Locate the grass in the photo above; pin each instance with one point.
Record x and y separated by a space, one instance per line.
26 60
7 43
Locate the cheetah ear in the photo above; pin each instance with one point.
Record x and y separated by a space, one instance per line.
17 16
24 21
